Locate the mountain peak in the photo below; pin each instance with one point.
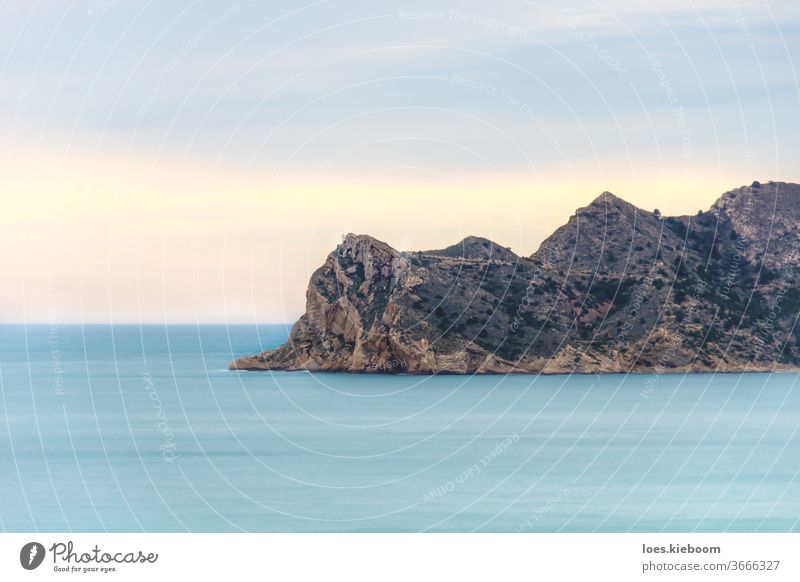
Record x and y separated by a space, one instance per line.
353 239
786 195
356 242
607 197
476 247
608 201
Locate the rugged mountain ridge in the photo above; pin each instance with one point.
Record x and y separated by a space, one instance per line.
617 289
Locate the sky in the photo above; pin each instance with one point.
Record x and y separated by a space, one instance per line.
196 161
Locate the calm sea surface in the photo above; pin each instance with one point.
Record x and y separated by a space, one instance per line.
128 429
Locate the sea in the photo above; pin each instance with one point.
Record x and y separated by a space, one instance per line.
129 428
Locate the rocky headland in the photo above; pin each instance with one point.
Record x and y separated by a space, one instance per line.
617 289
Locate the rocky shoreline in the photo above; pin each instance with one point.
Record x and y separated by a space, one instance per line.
617 289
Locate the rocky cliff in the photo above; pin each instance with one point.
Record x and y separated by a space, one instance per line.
617 289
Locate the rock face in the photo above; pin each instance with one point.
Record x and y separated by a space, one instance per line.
615 290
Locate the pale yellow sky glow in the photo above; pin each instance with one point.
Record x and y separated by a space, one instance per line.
106 240
195 162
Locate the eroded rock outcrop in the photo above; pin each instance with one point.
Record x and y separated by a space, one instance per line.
616 289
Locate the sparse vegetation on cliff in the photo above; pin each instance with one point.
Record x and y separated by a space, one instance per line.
616 289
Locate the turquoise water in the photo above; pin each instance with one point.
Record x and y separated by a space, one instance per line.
131 429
